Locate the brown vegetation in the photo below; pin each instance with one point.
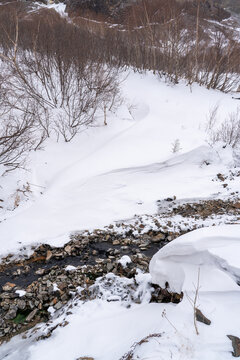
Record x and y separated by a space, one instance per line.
56 74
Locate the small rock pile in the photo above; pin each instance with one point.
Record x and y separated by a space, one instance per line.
206 208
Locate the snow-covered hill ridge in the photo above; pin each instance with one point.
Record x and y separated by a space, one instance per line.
113 172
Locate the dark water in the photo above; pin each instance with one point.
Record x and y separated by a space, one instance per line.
85 258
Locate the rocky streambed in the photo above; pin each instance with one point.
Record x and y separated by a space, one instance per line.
52 276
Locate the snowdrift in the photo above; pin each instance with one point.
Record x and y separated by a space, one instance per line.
214 252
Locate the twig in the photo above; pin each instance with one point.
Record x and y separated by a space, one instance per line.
195 303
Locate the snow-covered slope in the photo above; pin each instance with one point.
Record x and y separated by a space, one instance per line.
112 172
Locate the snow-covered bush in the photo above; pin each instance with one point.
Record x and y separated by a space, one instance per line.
176 147
228 132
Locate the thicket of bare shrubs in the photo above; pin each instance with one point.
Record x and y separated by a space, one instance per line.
168 38
227 132
50 84
56 74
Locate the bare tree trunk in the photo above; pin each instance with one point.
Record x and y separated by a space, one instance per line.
105 113
197 42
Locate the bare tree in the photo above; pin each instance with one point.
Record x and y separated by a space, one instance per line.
17 138
65 91
47 88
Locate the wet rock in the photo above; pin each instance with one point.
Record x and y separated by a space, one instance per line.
116 242
158 238
201 318
237 205
8 295
68 249
21 304
64 298
110 266
49 255
11 314
31 315
40 272
169 199
59 255
7 330
220 177
58 306
8 286
31 304
235 344
62 286
160 295
49 284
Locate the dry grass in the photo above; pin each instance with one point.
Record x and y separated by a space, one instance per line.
130 354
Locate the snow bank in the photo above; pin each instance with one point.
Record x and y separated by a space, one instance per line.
214 252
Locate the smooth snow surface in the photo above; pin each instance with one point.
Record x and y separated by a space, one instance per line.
113 172
106 330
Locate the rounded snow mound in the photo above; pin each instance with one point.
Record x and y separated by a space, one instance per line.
212 254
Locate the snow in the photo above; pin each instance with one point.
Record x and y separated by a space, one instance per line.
70 268
110 173
20 292
55 287
125 260
106 329
59 8
212 251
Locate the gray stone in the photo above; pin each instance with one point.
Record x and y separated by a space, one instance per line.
110 266
158 238
40 271
11 314
235 344
8 286
58 305
31 315
21 304
7 330
49 255
201 318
